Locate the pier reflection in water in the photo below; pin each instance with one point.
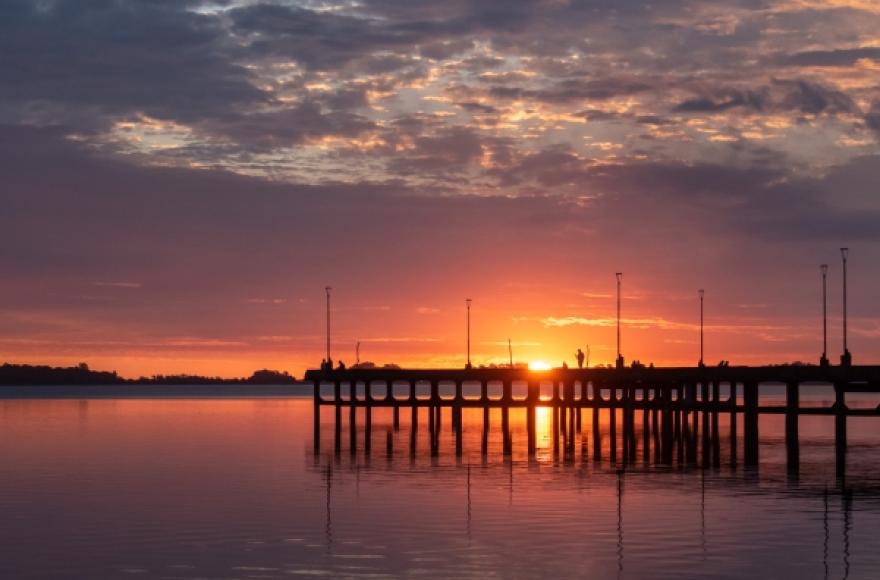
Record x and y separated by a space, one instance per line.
743 515
692 517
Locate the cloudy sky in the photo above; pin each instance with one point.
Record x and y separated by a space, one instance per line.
181 179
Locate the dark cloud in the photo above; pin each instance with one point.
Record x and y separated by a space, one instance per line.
872 119
747 99
457 147
839 57
91 62
780 96
289 126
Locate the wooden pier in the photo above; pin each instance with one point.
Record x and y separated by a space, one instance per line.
676 406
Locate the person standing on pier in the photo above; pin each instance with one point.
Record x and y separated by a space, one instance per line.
580 358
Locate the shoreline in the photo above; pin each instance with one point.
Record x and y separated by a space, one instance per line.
152 391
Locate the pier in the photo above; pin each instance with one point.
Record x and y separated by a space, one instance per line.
668 415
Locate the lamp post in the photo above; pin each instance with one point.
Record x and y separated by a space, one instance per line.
846 357
510 352
468 303
619 363
702 294
329 362
824 360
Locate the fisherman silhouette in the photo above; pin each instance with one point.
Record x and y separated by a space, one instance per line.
580 358
341 366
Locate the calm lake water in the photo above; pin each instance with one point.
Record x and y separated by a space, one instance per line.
231 488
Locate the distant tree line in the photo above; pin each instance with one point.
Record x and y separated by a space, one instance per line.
23 375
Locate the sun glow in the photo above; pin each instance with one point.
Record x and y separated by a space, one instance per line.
538 365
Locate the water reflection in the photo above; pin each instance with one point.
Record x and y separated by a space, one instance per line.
232 489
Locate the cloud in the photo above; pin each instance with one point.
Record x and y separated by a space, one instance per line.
65 61
782 95
218 151
836 58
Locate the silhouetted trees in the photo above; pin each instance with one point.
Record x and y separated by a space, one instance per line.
45 375
25 375
269 377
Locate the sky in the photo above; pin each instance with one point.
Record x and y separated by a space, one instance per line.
181 180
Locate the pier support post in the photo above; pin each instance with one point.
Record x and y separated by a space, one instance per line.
432 427
458 431
337 428
678 419
629 424
669 416
530 425
646 427
414 429
563 418
733 441
612 428
438 409
580 403
792 445
554 409
597 437
533 395
389 444
691 423
716 437
396 418
750 423
707 433
352 428
840 411
484 440
505 430
656 401
317 417
368 428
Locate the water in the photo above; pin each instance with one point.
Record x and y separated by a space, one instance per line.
231 488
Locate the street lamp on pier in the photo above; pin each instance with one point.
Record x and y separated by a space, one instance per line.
468 303
619 362
702 293
327 289
824 360
846 357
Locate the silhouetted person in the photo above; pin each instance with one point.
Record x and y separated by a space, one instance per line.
341 366
564 365
580 358
323 364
